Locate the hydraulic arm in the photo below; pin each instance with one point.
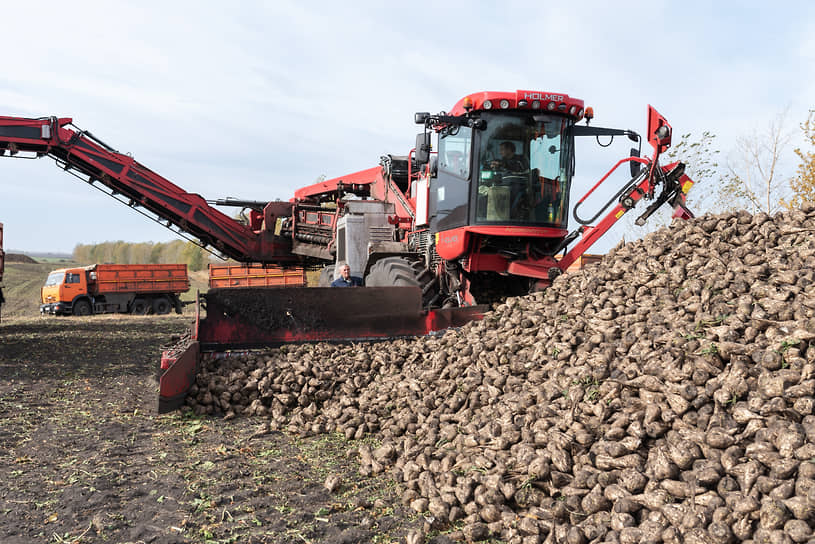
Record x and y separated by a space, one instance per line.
84 155
671 179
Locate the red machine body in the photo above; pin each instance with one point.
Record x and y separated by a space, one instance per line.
82 154
483 216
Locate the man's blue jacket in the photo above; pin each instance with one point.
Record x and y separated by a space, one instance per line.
352 281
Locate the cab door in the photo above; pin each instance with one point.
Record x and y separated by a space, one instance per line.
450 189
73 286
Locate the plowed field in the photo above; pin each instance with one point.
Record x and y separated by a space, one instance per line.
84 457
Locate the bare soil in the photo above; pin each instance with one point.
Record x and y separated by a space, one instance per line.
84 456
18 258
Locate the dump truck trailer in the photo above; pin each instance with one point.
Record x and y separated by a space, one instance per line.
115 288
255 275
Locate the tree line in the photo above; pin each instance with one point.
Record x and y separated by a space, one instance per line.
756 174
119 252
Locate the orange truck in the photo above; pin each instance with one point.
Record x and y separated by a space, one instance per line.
109 288
256 275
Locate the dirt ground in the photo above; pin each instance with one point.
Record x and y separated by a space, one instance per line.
84 456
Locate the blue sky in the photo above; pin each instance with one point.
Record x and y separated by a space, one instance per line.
257 102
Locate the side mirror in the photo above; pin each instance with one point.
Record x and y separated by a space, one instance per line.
420 117
422 148
635 166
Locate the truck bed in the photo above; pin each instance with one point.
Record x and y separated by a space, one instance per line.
146 278
256 275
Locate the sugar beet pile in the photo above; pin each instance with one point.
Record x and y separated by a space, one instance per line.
664 395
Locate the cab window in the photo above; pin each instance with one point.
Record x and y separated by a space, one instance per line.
454 152
71 278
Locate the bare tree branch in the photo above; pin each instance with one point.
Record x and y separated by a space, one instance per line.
755 166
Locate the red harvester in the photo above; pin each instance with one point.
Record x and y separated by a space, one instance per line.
434 234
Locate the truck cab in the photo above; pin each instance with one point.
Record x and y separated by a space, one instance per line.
62 289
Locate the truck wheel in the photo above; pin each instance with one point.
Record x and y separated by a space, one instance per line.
326 276
161 306
139 307
82 307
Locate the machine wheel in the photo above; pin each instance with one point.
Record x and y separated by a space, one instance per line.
139 307
392 272
401 272
161 306
82 307
326 276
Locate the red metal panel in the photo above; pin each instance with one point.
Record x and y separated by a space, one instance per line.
533 268
452 244
516 99
486 262
179 377
364 177
655 121
253 317
518 231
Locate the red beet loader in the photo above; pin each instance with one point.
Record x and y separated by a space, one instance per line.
476 211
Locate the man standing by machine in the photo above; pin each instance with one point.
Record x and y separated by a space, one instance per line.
346 279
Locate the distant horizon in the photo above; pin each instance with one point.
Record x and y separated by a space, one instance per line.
60 254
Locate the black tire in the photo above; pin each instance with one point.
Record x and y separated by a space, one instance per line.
82 307
326 276
404 272
392 272
162 306
139 307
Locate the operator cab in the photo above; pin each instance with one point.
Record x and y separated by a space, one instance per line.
514 168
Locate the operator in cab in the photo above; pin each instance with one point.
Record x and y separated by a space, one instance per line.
510 161
346 279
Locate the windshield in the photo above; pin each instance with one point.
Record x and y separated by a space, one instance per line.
54 278
525 169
